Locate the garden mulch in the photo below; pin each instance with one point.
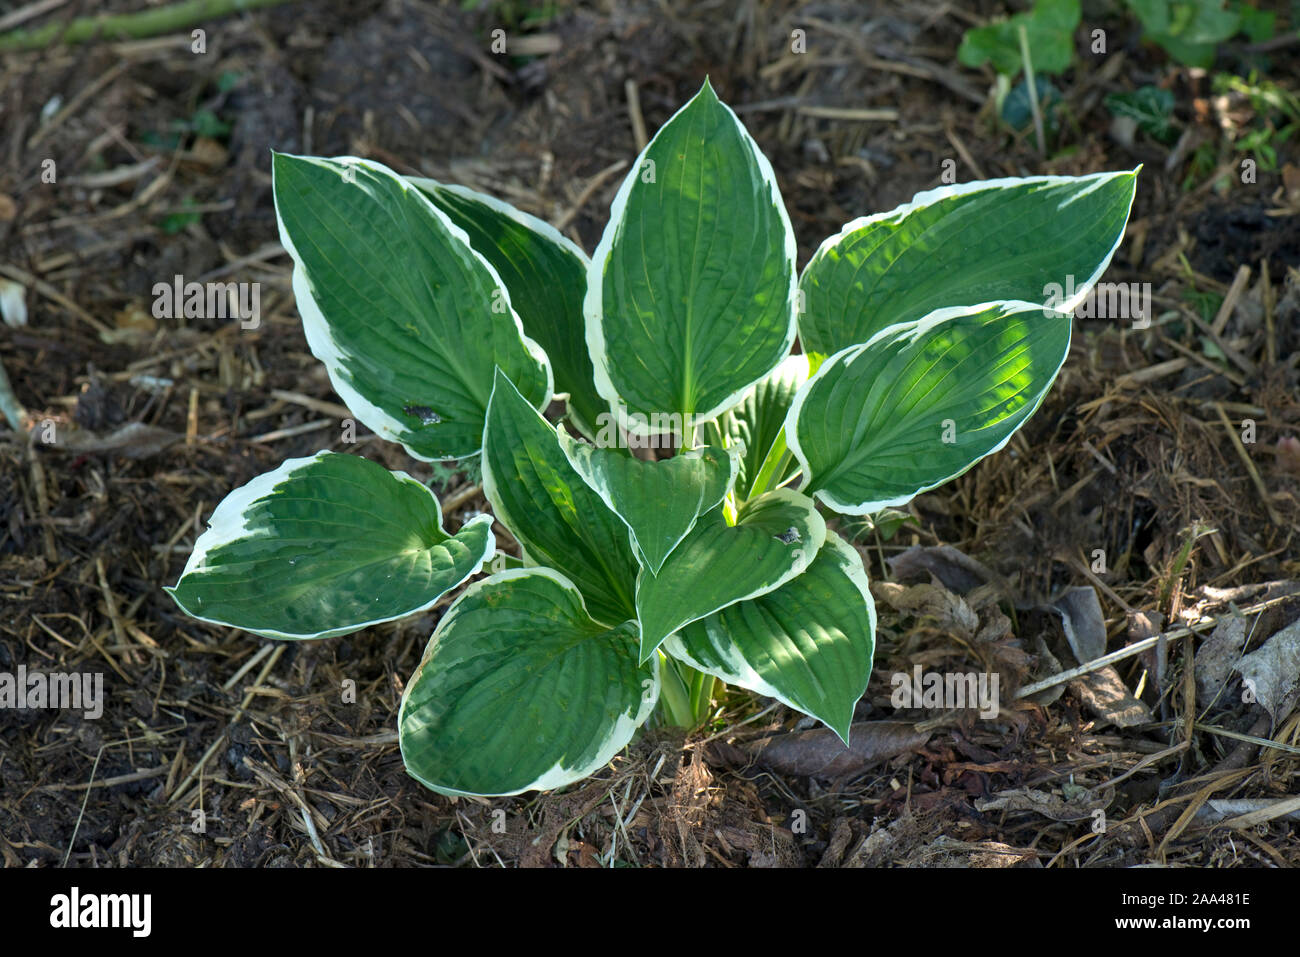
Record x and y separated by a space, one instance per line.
1139 479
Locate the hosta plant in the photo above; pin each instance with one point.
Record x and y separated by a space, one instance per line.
673 524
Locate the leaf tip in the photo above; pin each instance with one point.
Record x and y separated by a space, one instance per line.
646 649
842 729
280 160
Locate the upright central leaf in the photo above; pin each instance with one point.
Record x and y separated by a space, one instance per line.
757 422
776 537
659 501
546 505
690 298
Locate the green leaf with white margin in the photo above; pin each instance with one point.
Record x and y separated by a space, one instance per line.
519 690
758 420
1035 239
658 501
546 274
922 402
324 546
547 506
808 644
409 320
690 298
776 537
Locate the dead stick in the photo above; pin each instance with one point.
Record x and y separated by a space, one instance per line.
234 718
1160 820
130 26
1250 467
10 407
1138 646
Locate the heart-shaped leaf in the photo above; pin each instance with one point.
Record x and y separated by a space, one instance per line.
690 298
659 501
409 320
549 508
1049 30
808 643
546 274
520 690
776 536
1191 32
325 546
1032 239
922 402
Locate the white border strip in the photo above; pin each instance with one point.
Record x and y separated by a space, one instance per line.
593 306
911 331
558 775
229 523
321 341
932 196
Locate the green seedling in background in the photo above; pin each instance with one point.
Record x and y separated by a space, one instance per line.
1049 26
1191 31
1150 107
1037 43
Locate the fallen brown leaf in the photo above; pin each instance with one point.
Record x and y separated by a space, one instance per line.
820 753
1273 672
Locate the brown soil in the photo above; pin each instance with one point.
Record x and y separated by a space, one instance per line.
1131 451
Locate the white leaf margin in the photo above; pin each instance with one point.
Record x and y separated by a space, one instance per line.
321 341
931 196
593 302
735 670
917 329
558 775
229 523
